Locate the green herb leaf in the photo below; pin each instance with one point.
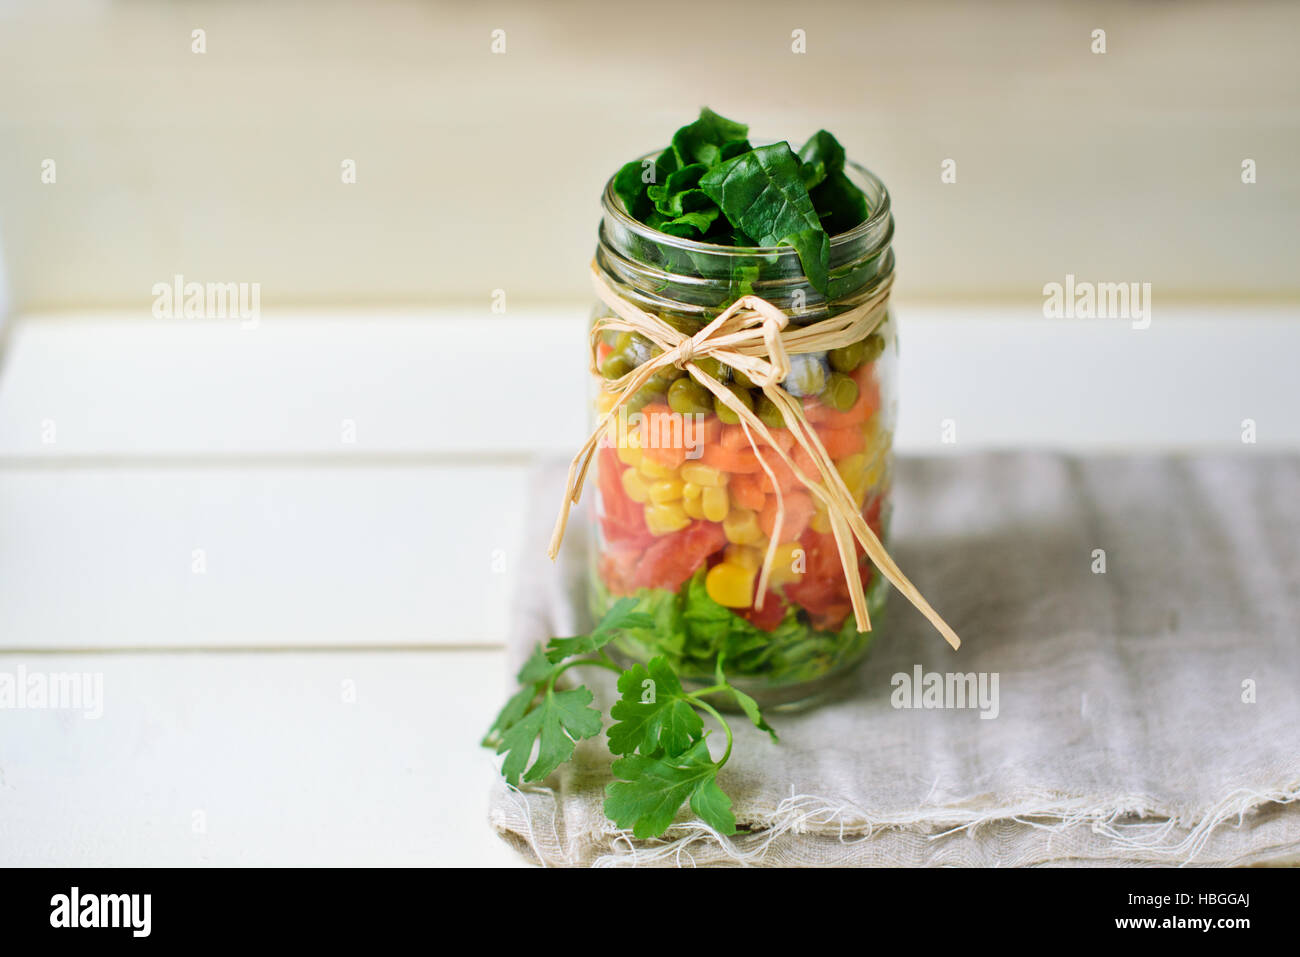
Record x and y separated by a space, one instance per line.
622 614
750 707
747 704
653 712
762 193
652 790
535 670
558 722
514 709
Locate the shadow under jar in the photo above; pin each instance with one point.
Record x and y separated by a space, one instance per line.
684 512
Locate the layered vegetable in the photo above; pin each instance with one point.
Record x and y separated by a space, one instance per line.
687 512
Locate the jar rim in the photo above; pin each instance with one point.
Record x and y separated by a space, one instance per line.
612 203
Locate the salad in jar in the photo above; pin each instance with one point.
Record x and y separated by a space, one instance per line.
686 511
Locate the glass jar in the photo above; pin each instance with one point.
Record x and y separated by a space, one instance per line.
684 529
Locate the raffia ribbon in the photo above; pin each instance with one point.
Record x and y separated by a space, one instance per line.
750 335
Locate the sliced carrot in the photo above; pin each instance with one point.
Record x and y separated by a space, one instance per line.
746 489
663 435
805 463
842 442
702 430
781 438
669 456
825 417
733 437
785 477
798 512
734 461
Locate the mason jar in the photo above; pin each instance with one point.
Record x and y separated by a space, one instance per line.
684 529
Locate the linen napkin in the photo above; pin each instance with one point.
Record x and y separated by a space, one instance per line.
1141 614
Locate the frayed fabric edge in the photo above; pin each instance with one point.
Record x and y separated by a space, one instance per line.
1133 826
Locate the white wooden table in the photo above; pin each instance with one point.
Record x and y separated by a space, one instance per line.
288 549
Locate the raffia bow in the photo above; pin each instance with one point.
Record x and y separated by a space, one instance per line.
751 335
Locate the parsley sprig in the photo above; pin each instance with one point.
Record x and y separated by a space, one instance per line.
658 738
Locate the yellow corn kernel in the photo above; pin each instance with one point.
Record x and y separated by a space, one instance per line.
745 556
693 507
629 454
635 486
852 467
788 565
690 490
605 401
741 527
703 475
714 502
876 474
627 445
820 522
666 518
854 470
730 585
654 470
665 490
859 491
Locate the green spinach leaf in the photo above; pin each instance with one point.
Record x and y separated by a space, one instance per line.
762 193
703 140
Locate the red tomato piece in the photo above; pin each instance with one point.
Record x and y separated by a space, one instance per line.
672 559
622 521
772 614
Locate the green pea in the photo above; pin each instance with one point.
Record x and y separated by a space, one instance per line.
726 413
713 367
769 413
614 365
854 354
847 358
841 392
875 346
741 379
636 349
641 398
665 377
689 397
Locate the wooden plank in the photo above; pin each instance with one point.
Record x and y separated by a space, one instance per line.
1009 378
262 556
344 390
325 385
263 759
